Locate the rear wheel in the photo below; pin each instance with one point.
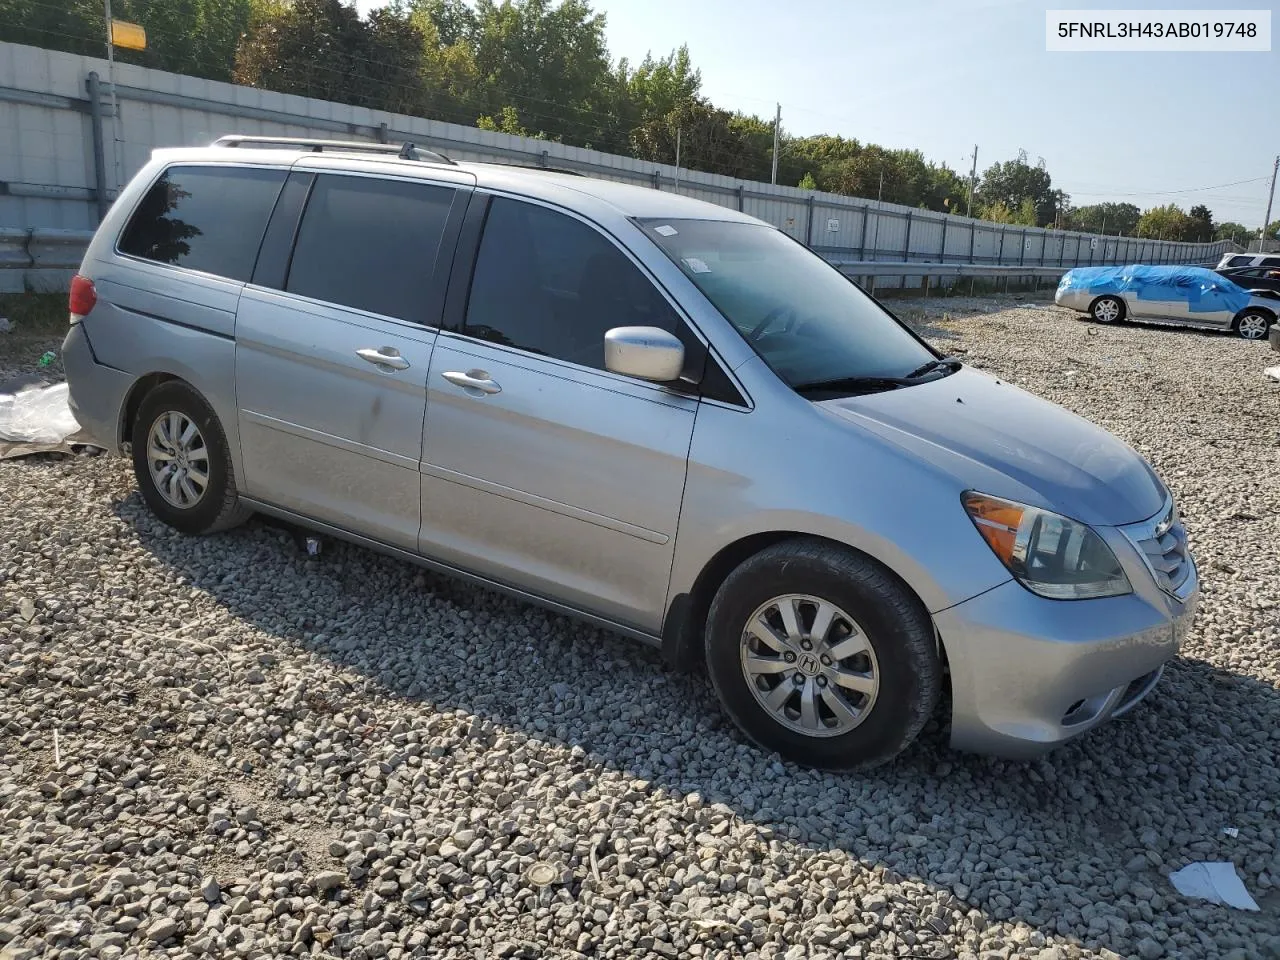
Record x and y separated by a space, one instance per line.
1253 324
182 462
820 654
1107 310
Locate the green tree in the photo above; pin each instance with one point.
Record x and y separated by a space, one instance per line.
1201 223
1109 218
711 139
1169 222
314 48
1012 182
807 182
453 20
1232 231
196 37
549 63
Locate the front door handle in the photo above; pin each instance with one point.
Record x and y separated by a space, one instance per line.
388 357
472 380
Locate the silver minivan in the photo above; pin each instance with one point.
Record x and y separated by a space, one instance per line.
658 414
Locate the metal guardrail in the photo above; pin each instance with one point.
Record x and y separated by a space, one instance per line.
41 259
42 248
45 257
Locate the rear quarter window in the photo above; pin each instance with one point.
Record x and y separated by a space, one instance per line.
204 218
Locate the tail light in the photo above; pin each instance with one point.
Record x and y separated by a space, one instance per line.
84 297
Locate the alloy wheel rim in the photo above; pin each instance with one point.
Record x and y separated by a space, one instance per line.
178 459
1253 327
809 665
1106 311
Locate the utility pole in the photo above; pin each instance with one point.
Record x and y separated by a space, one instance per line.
1271 194
777 131
875 241
115 103
677 159
973 180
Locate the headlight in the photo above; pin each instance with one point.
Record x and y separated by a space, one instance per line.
1047 553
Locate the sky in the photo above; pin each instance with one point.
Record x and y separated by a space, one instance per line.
943 75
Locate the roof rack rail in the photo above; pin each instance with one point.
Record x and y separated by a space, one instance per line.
405 151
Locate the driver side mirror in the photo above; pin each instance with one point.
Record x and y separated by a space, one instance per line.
647 353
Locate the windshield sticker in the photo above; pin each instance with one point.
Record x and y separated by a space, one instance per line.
696 265
666 230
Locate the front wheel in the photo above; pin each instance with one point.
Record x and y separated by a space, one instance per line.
1107 310
823 656
1253 325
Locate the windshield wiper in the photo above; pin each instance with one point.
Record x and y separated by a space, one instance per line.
852 385
950 364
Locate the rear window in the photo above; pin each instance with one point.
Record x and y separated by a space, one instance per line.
371 244
1239 261
204 218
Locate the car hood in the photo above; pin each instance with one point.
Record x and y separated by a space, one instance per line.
993 437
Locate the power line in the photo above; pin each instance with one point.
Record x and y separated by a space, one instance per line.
1162 193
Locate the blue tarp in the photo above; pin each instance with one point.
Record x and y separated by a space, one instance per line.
1201 288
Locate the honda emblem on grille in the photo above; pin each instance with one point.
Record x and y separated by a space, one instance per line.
1163 526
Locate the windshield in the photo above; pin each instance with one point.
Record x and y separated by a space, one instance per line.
805 319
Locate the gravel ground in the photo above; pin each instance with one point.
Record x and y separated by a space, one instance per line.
221 748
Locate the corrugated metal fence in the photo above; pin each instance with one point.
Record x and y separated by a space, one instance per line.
64 154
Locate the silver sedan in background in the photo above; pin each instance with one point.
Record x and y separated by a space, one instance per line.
1193 296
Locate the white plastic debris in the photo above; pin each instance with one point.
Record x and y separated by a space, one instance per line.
1216 882
34 418
6 325
1232 832
1272 372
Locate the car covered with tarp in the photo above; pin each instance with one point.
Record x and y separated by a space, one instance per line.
1196 296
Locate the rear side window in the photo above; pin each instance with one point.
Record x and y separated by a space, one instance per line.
551 285
370 244
1239 261
204 218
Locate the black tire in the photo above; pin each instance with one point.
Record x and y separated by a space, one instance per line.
218 507
1239 327
893 621
1119 305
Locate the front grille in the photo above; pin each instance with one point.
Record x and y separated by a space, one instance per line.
1163 542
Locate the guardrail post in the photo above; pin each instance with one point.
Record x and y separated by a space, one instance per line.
741 189
808 230
1022 248
380 132
906 249
942 252
99 151
656 177
973 236
862 244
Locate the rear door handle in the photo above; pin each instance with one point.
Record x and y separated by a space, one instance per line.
472 380
388 357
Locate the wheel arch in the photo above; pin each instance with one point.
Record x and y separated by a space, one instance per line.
133 399
1270 314
686 616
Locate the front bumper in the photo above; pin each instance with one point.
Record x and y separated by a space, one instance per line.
1028 673
1072 299
96 393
